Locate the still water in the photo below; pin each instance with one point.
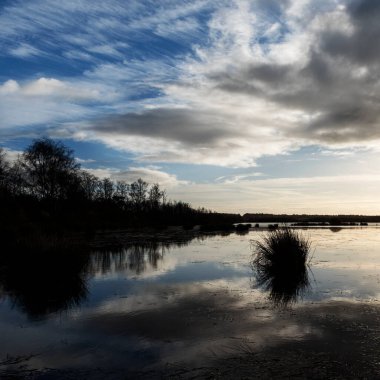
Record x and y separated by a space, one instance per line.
156 302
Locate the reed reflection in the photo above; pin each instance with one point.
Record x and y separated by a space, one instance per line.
280 265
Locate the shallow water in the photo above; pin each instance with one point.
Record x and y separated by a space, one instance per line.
184 302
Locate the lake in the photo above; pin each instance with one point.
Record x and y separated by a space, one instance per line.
187 306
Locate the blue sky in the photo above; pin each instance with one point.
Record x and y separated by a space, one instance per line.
246 106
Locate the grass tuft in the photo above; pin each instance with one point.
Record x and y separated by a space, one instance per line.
280 264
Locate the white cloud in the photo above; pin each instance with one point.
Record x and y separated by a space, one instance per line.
9 87
84 160
54 87
265 78
49 100
24 51
150 175
12 155
238 177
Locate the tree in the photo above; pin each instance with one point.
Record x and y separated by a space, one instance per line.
16 183
4 168
137 191
50 169
121 192
107 188
155 195
89 185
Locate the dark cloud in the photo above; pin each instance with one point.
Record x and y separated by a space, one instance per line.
345 125
361 45
269 73
338 84
252 79
318 70
180 125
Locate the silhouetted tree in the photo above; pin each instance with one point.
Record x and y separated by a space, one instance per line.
122 189
50 169
45 191
138 191
107 189
121 192
89 185
16 179
4 167
155 195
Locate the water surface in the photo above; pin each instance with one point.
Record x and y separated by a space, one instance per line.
152 303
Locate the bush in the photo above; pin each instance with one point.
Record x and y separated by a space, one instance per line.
280 264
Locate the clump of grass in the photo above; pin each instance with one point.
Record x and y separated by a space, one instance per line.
280 263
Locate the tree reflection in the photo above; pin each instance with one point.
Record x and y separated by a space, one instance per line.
41 284
134 258
56 279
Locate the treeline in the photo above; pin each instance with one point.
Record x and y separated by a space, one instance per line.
303 218
46 187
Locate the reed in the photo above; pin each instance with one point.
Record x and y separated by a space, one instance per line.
280 264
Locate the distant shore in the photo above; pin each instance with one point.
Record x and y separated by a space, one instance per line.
340 219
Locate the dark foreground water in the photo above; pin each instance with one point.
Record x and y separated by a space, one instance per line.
184 306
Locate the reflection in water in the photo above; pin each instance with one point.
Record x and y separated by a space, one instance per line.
280 265
178 305
335 229
40 284
136 258
284 287
43 283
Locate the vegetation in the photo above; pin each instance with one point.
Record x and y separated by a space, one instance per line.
280 264
305 220
46 192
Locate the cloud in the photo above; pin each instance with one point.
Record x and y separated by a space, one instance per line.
148 174
183 125
94 26
331 83
238 177
184 135
24 51
12 155
50 100
84 161
51 87
220 83
289 87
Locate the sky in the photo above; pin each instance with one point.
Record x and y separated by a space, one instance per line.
237 106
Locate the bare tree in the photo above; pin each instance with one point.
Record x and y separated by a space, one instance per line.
155 195
89 185
122 189
50 168
138 191
4 170
108 188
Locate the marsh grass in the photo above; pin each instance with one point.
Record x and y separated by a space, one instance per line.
280 263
